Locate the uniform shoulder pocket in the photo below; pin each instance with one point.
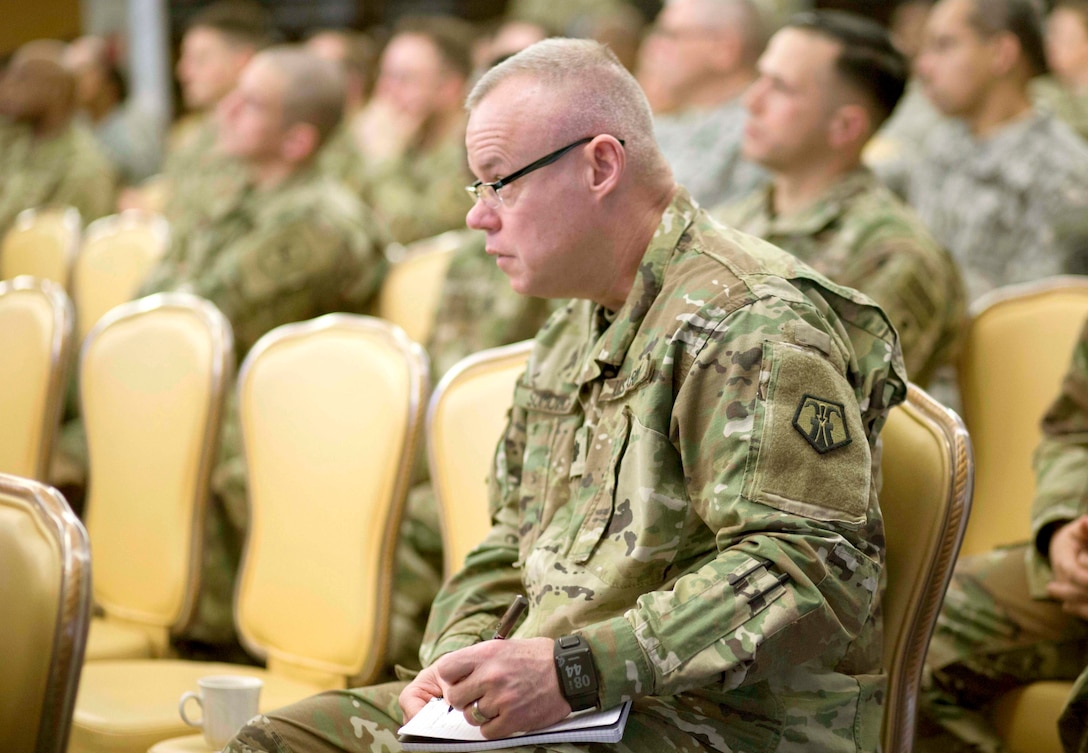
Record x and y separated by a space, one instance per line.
810 456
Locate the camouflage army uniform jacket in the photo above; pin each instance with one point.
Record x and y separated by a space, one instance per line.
691 485
861 235
196 174
1009 208
341 159
1061 466
67 168
268 257
477 308
703 149
422 193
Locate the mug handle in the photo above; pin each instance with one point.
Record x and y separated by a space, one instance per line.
181 708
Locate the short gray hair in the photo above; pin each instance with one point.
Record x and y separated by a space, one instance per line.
598 95
314 88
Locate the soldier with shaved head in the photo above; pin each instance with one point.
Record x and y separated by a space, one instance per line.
686 487
291 245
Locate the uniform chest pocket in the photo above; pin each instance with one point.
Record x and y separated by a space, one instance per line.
635 520
550 422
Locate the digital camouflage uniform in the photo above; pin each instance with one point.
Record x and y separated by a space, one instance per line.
702 146
860 235
477 309
66 168
422 193
267 257
690 484
1009 208
998 629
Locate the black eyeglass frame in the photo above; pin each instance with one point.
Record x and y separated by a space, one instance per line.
547 159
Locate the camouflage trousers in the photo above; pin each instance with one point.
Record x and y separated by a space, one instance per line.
366 719
991 637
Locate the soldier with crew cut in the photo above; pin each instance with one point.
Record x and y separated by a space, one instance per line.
289 245
827 81
1000 183
679 530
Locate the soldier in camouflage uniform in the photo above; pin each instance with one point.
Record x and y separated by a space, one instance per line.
412 132
824 206
1065 91
292 245
694 65
46 158
687 482
1003 186
1016 615
217 45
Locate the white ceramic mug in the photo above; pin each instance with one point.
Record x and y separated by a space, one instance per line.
227 702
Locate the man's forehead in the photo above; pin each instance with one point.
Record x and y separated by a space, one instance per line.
514 117
802 53
949 15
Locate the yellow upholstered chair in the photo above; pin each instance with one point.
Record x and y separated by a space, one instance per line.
116 254
45 589
36 325
412 287
465 420
153 376
925 499
1018 347
330 413
42 243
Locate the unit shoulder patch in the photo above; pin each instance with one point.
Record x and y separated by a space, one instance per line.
822 423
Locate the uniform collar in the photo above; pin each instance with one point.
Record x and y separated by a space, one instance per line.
609 352
818 216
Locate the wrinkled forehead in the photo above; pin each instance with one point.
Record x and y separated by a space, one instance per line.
515 120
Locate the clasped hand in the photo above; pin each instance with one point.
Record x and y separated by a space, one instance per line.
1069 562
511 682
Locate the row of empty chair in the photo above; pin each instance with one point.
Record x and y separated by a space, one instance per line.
100 266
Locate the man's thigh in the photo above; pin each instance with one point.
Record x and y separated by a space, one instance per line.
365 720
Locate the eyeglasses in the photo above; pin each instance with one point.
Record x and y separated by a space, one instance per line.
488 193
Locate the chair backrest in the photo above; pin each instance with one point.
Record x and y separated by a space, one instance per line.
36 325
330 413
465 419
153 374
412 287
45 588
117 253
925 499
42 243
1017 349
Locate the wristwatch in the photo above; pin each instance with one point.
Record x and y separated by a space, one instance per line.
577 675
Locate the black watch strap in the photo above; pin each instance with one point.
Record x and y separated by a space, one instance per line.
577 675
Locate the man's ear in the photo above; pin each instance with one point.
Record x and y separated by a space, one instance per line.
300 142
607 161
1006 52
849 124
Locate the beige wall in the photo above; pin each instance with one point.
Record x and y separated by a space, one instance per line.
34 19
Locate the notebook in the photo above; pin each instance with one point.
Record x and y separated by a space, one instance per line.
436 728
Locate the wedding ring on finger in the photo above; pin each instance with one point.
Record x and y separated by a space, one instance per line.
478 716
